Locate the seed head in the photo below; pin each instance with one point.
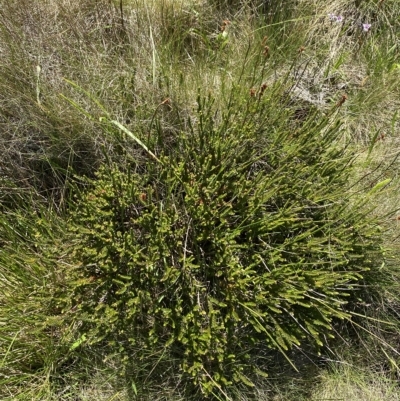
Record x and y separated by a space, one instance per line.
342 100
224 25
262 89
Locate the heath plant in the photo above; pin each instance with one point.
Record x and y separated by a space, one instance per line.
242 236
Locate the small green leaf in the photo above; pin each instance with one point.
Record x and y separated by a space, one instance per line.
78 342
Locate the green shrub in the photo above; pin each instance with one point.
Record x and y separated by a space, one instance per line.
243 235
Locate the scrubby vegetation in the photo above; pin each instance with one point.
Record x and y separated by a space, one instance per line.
199 199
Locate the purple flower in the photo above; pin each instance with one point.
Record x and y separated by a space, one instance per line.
366 27
336 18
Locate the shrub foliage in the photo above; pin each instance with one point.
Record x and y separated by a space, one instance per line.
245 234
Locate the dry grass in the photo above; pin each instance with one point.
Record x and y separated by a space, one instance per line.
350 383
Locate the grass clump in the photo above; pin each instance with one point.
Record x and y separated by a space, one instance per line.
32 334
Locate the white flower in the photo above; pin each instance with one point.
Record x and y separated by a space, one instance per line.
366 27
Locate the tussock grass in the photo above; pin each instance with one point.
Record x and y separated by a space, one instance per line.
345 382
